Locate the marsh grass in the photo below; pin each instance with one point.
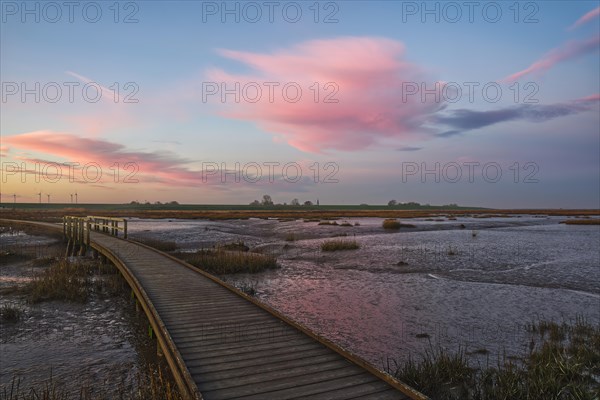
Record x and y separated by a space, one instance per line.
11 255
291 237
563 363
152 384
233 246
10 313
394 224
333 223
594 221
62 280
339 244
229 262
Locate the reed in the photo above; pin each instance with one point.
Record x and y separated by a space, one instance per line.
563 363
62 280
339 244
10 313
229 262
394 224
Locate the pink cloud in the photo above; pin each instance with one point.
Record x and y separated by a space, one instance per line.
586 18
565 52
151 168
160 167
364 76
589 99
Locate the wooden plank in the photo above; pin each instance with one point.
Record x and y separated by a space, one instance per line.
374 389
288 375
207 306
303 391
239 348
388 394
199 359
260 361
272 365
259 390
263 320
197 317
241 333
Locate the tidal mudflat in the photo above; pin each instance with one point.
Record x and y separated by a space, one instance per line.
468 282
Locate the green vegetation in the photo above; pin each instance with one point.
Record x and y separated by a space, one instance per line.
10 313
248 288
339 244
234 246
61 281
229 262
10 255
393 224
563 363
154 384
593 221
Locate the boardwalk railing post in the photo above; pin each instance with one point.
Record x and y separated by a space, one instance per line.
89 227
124 229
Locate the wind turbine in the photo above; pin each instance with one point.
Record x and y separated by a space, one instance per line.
15 198
71 198
48 194
40 197
75 197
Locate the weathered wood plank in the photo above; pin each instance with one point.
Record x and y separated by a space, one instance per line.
317 381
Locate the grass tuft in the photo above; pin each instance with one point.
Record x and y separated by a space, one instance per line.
594 221
291 237
565 364
394 224
339 244
62 280
234 246
9 313
229 262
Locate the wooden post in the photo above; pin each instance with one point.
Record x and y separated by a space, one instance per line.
88 226
124 229
82 245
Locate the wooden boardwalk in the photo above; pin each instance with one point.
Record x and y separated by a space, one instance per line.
221 344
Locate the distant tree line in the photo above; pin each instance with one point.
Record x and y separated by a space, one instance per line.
157 203
267 201
412 204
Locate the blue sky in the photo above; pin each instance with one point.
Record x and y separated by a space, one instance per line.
179 143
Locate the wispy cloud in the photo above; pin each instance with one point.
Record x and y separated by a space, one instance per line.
465 120
587 17
113 97
369 99
567 51
409 148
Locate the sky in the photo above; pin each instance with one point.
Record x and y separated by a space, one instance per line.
491 104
